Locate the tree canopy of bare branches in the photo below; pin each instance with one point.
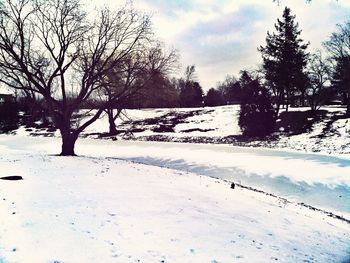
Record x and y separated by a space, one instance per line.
338 45
319 74
59 52
134 77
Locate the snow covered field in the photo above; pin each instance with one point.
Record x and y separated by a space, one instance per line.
104 207
208 122
133 201
219 125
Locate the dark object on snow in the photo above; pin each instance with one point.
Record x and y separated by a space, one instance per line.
163 128
198 129
12 178
233 186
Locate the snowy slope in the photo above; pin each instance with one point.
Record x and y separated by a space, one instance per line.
219 125
98 209
208 121
327 136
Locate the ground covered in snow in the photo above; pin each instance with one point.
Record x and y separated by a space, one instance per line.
106 206
124 200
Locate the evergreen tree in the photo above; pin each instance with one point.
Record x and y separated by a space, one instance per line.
190 91
256 116
191 94
213 98
284 60
230 90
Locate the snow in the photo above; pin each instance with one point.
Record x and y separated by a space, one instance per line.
129 201
315 179
101 208
101 125
334 141
219 121
214 124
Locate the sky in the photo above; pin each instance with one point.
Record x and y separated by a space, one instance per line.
221 37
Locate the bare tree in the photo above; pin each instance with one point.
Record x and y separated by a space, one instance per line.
338 45
58 51
190 73
319 74
132 76
125 77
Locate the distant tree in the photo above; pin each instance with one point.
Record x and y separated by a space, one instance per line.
319 73
284 61
190 73
8 113
213 98
31 105
338 45
256 116
231 90
141 78
191 94
190 91
245 81
160 92
123 78
341 80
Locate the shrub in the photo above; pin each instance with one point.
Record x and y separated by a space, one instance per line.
8 115
256 117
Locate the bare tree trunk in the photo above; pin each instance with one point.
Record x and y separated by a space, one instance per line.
69 138
68 143
111 120
302 100
277 111
278 103
287 101
313 106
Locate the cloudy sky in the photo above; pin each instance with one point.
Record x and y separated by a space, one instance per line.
221 36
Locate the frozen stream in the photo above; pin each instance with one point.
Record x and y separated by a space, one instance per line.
318 180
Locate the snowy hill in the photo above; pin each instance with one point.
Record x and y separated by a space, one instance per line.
329 134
